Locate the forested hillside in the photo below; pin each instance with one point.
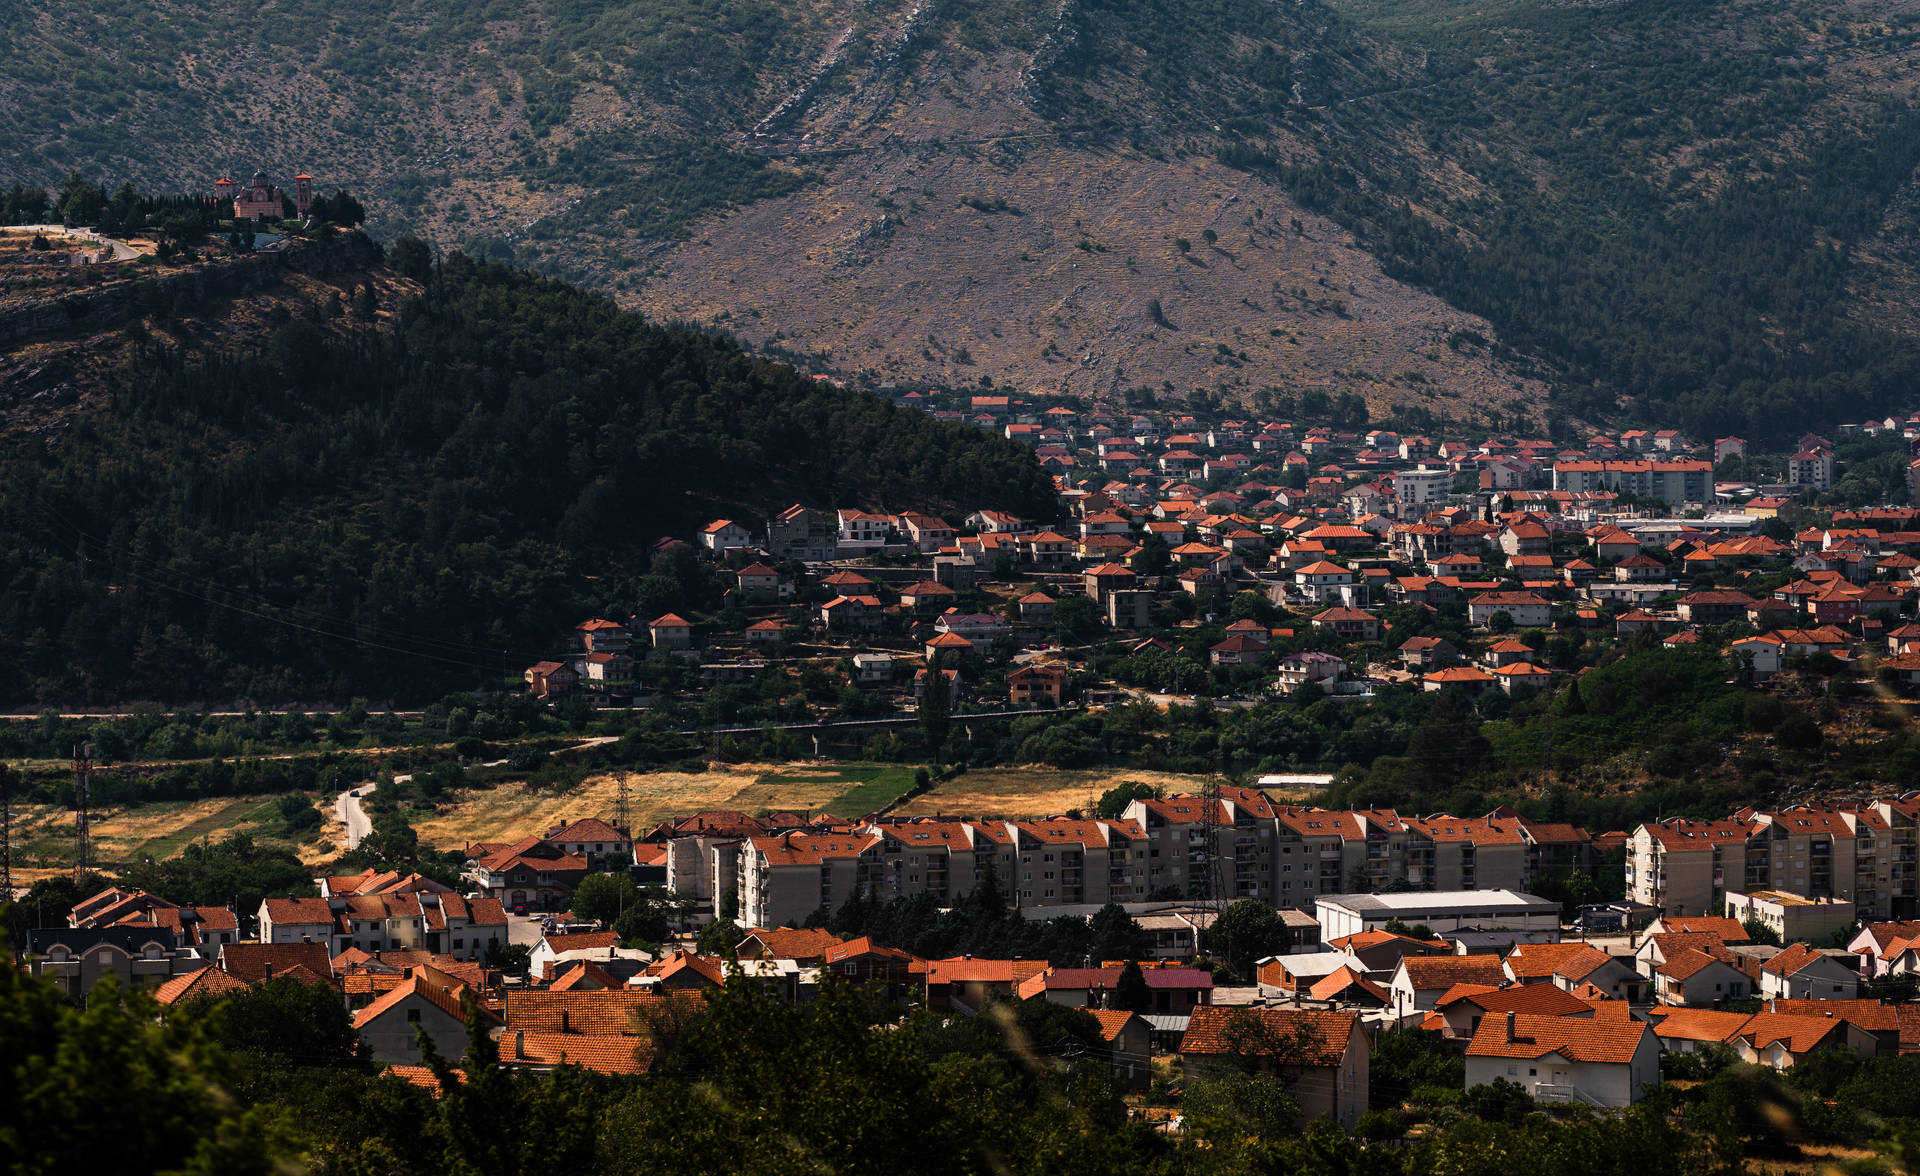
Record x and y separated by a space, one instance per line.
395 513
1698 213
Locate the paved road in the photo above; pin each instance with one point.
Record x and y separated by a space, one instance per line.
121 250
347 807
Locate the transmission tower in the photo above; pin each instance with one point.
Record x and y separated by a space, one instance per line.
6 834
620 810
82 838
1217 875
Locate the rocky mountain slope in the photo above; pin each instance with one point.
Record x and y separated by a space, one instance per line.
1699 212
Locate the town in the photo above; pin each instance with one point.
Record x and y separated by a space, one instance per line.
1247 565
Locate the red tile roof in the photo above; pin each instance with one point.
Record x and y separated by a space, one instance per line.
1323 1034
1574 1038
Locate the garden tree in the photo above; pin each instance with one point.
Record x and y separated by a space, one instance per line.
1130 991
70 1075
653 914
935 702
411 257
1411 1060
602 897
1499 1101
298 813
552 1119
719 938
1115 936
1760 933
1247 931
393 844
1077 619
236 869
284 1022
1115 800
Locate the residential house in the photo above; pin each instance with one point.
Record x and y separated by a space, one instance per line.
1322 1055
1801 973
1601 1062
724 535
1037 685
1421 980
1697 978
759 584
429 1002
801 534
1527 610
671 632
1348 624
550 679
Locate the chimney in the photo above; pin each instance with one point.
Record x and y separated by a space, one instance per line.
1509 1036
565 1026
519 1043
269 967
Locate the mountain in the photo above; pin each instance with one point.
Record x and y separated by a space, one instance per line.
1698 213
325 507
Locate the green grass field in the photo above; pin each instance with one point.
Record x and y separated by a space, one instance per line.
872 788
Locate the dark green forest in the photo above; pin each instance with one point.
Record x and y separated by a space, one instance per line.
412 510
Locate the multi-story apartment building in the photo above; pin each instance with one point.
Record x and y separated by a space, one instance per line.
1673 482
1233 844
1863 853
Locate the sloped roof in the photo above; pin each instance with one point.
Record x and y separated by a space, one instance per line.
1444 971
204 982
1325 1032
606 1054
1575 1038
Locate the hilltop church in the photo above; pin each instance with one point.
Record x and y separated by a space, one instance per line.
261 199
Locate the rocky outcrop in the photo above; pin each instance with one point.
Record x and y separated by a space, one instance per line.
115 300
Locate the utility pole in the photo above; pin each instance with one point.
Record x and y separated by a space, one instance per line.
82 839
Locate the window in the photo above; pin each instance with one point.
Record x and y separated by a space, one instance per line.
413 1016
1532 1073
850 969
459 943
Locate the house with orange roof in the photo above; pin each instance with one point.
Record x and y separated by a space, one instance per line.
1800 972
1470 679
1461 1008
1420 980
1695 977
1600 1062
204 983
540 1053
1323 1055
1781 1040
1573 966
723 535
964 984
429 1002
802 945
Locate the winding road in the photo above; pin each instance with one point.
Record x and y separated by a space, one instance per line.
347 807
121 250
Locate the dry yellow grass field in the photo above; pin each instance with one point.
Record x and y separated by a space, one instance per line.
513 810
43 834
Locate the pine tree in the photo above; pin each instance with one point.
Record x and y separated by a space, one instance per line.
1130 992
